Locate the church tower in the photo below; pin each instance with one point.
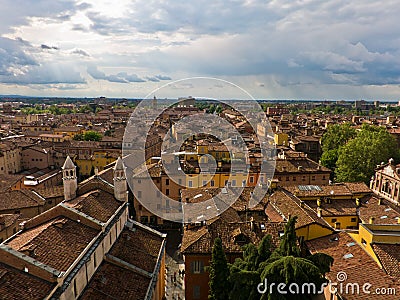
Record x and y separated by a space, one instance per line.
120 185
70 180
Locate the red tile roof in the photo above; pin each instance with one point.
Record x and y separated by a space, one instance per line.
15 284
57 242
139 248
389 256
360 268
114 282
98 204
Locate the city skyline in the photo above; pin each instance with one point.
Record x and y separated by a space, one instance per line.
275 50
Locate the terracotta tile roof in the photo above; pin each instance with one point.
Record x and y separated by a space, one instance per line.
229 228
386 213
107 175
7 220
19 199
114 282
336 207
94 183
51 192
338 189
389 256
287 204
241 203
98 204
291 165
139 248
357 187
273 215
57 242
360 268
15 284
8 181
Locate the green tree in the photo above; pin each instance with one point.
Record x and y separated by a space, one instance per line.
288 244
287 266
357 160
92 136
219 273
291 270
246 272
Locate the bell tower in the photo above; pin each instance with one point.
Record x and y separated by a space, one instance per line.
70 180
120 185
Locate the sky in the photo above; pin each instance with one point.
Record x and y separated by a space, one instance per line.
278 49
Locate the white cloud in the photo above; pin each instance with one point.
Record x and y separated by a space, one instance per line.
287 46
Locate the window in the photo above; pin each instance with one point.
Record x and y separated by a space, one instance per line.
197 267
363 242
139 194
140 207
153 220
251 179
180 181
212 183
167 192
334 220
312 177
144 219
204 182
95 260
190 183
294 178
304 178
139 181
287 178
234 182
166 181
323 177
75 289
196 292
353 219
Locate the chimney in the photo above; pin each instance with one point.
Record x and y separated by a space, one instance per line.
319 202
371 220
337 225
398 220
96 171
358 202
380 201
319 212
301 203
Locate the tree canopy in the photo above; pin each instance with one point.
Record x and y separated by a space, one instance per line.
354 154
358 159
284 265
88 136
219 272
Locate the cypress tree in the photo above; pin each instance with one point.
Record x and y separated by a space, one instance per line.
219 273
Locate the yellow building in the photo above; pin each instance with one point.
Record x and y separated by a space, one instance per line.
281 139
69 131
371 235
99 159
